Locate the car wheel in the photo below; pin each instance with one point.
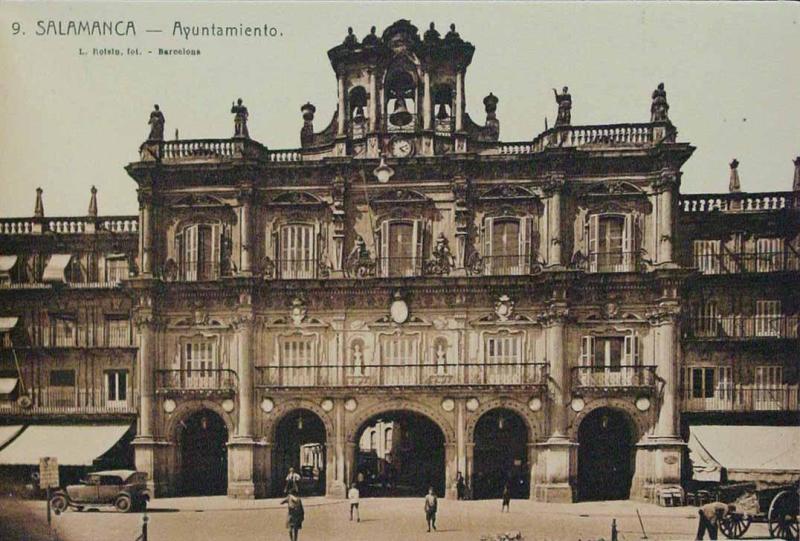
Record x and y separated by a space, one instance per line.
58 503
123 503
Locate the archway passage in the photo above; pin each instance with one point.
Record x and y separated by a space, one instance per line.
500 455
300 439
203 439
400 453
605 456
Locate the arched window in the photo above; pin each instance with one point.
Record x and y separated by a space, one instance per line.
387 441
373 442
507 245
443 107
611 243
295 246
198 251
400 248
358 103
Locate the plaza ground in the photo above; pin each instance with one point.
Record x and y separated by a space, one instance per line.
389 519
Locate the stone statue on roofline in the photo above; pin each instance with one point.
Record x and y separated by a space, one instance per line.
240 120
564 101
659 107
156 123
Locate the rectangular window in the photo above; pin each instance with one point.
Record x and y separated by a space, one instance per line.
503 359
706 256
709 388
199 248
297 361
200 364
769 254
116 387
61 391
768 318
705 321
399 359
65 330
611 243
769 391
507 245
608 352
296 252
119 332
116 269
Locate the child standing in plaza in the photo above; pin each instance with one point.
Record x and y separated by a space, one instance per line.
431 506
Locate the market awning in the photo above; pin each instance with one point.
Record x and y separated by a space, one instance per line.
54 271
745 453
8 323
7 433
75 445
7 385
7 262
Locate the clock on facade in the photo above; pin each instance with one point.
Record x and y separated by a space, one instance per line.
401 148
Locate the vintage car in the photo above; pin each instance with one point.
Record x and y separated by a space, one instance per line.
124 489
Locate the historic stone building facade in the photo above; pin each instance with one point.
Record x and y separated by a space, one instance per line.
513 310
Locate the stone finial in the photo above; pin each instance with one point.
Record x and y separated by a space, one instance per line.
38 209
307 131
490 103
734 185
93 203
796 182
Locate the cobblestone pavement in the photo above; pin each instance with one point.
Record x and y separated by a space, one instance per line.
400 519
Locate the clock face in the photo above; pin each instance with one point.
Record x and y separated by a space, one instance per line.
401 148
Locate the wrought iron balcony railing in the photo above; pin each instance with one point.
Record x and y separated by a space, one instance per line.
743 263
395 266
742 327
401 375
501 265
216 379
741 398
616 261
613 377
70 400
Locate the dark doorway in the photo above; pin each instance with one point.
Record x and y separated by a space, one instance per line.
400 453
300 445
203 455
500 456
605 456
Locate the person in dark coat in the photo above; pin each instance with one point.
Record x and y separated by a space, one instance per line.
461 486
506 499
710 516
296 514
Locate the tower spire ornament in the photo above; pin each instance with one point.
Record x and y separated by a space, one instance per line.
734 186
38 209
93 203
796 182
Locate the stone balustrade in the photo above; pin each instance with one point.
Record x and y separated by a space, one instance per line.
17 226
69 225
201 150
281 156
739 202
613 135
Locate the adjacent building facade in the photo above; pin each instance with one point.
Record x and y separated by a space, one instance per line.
536 313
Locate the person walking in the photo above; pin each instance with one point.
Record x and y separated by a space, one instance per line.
506 499
431 507
296 514
354 496
710 516
461 486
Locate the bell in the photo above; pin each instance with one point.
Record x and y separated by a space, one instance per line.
401 116
359 117
442 113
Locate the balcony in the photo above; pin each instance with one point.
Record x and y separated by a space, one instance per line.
617 378
405 375
617 261
746 263
399 267
769 327
299 269
501 265
70 401
201 382
743 398
199 271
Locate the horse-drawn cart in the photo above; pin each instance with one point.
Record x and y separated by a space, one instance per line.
777 506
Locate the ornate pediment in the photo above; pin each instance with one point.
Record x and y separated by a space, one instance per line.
198 200
614 188
386 321
507 192
400 196
296 198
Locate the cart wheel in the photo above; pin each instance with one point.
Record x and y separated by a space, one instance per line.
734 525
783 515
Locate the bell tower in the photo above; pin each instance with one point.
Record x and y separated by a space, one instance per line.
399 96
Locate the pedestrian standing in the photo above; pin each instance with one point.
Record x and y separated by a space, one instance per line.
461 486
291 482
354 496
709 517
296 514
506 499
431 506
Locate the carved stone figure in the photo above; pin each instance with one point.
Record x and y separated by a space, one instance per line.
156 123
442 260
240 120
359 263
431 34
564 101
659 108
350 41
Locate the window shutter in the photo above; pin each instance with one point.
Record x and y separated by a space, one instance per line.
419 240
525 252
488 231
383 248
594 227
216 245
315 249
587 350
275 248
632 349
629 242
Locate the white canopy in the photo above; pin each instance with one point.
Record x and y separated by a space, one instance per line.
7 262
7 385
74 445
54 271
8 323
746 453
7 433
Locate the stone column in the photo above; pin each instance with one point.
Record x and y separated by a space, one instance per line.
461 437
667 370
245 200
554 320
450 465
553 189
665 204
470 466
145 211
427 103
459 112
342 107
144 444
245 373
344 454
241 448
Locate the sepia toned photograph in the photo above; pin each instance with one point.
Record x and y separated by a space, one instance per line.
479 271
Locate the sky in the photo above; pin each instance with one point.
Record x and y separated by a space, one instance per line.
69 121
